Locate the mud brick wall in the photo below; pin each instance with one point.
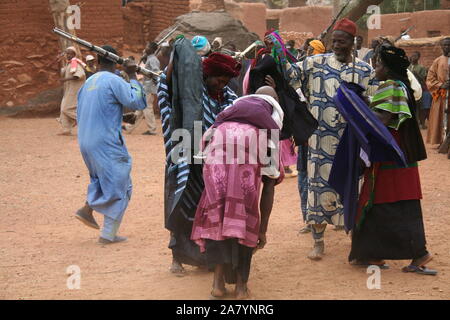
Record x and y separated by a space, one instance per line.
101 21
163 14
144 20
428 51
27 46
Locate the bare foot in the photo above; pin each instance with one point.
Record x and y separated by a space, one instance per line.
177 269
242 293
219 289
317 251
218 293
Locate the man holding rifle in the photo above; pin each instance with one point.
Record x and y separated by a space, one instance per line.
321 76
100 107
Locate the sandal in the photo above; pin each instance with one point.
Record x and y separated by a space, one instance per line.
420 270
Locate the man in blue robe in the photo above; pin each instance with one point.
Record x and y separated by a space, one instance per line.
100 107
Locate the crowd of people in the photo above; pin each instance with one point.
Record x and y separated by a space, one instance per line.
349 118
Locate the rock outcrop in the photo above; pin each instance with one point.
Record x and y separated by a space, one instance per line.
214 24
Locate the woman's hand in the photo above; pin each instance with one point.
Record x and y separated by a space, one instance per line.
270 82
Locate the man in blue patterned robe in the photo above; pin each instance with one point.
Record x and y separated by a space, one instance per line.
321 76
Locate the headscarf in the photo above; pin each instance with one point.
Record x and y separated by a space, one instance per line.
281 55
218 64
254 110
201 45
279 51
219 41
395 59
269 32
318 47
73 49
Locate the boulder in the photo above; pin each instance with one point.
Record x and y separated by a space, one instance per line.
46 103
212 25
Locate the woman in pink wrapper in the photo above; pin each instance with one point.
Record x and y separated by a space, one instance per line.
241 156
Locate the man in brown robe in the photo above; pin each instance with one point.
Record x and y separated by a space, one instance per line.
73 78
438 83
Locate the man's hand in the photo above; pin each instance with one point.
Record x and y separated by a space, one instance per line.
130 67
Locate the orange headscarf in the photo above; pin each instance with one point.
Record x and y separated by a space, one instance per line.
318 46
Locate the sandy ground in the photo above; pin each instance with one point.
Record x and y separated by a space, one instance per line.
43 181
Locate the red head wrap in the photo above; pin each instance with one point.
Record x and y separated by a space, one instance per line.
269 32
346 25
218 64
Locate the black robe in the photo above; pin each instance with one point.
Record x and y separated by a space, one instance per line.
298 121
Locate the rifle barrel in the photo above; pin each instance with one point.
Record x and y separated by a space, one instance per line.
104 53
324 33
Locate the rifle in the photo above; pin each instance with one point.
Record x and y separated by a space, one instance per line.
106 54
325 32
163 39
172 31
241 55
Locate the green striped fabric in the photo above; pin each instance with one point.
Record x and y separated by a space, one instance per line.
392 97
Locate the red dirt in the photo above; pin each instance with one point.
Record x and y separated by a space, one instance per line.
43 181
